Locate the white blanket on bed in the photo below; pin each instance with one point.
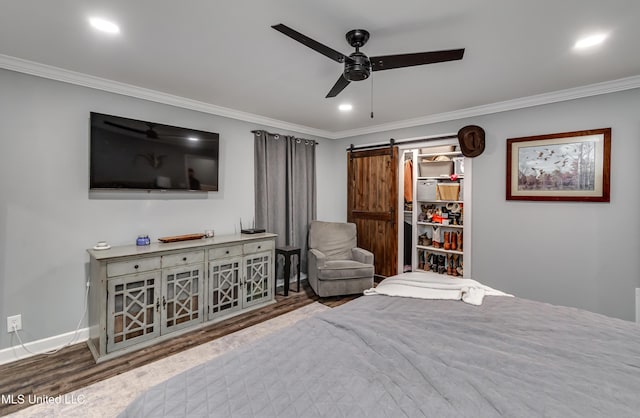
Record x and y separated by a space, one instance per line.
428 285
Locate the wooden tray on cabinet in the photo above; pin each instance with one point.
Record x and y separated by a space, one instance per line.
177 238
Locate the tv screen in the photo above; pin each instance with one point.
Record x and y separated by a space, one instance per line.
139 155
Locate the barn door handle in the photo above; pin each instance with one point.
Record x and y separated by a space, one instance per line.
392 217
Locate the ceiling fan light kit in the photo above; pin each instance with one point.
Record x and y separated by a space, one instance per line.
358 66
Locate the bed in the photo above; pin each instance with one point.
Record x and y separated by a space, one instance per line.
383 356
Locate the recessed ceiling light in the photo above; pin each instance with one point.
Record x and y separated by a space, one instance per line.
192 138
590 41
104 25
345 107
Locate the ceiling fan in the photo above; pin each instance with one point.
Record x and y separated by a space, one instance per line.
357 66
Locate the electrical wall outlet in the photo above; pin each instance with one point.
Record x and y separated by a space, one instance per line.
14 323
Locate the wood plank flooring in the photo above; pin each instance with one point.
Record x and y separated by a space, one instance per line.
73 367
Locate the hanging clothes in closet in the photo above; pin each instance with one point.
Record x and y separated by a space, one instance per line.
408 181
408 201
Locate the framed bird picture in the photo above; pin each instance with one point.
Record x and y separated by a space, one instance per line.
570 166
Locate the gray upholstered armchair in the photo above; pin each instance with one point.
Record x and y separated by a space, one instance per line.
336 266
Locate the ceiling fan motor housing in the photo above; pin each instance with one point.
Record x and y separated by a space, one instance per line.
358 67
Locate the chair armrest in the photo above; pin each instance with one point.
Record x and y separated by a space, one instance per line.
317 258
362 256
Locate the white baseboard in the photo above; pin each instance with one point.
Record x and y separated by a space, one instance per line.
17 352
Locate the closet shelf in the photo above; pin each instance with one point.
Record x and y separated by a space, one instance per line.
437 154
438 224
438 250
444 177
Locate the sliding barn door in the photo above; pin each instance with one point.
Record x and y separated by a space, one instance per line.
372 199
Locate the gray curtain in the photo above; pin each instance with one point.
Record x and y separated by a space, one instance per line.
285 188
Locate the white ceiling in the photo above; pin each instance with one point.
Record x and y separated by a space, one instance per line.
224 52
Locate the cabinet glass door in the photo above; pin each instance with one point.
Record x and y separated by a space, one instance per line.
224 286
132 310
257 286
181 300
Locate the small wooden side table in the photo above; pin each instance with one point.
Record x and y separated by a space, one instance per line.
287 253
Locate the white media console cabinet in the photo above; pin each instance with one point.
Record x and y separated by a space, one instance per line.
139 295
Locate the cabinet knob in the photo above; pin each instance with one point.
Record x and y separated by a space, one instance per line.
135 267
226 252
259 246
184 258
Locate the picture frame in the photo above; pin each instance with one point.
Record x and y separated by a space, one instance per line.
569 166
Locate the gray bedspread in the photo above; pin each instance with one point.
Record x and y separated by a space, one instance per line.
381 356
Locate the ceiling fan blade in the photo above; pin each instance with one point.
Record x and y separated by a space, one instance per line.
338 87
388 62
128 128
305 40
150 132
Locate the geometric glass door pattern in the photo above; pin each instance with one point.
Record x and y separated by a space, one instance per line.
181 297
133 308
257 269
224 286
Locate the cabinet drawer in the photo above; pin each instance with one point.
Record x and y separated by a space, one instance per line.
120 268
182 259
254 247
222 252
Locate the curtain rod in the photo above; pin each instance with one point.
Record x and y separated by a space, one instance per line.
315 143
392 141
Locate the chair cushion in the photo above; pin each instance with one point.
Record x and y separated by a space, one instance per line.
344 269
334 239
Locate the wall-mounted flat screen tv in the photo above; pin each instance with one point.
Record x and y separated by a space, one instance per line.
129 154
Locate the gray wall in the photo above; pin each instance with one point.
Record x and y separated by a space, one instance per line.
47 220
584 255
581 254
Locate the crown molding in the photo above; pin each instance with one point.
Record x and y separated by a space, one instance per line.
80 79
85 80
521 103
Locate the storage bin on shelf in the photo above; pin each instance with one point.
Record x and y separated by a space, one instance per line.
426 190
458 166
438 150
448 191
435 168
